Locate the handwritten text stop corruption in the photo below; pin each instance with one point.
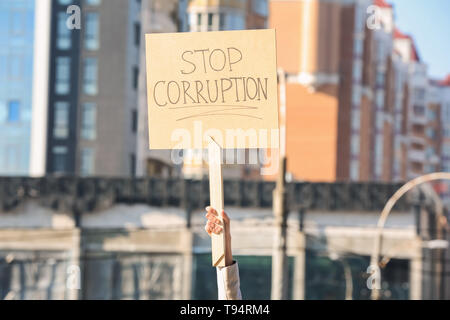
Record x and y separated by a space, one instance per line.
218 89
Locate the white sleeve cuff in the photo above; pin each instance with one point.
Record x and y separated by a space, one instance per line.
228 282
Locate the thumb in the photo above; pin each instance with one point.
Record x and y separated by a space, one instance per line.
225 217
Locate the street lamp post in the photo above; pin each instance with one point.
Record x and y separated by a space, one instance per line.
374 261
347 274
279 257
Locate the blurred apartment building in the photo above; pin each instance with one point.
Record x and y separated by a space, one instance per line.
22 81
360 105
223 15
70 88
92 114
415 115
157 16
70 74
438 132
356 92
219 15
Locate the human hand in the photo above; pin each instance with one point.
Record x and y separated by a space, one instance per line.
214 225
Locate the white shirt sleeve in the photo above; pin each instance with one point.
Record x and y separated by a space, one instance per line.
228 282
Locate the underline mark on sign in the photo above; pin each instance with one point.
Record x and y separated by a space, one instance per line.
220 112
215 105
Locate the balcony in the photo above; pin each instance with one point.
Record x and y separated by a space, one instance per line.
417 140
418 119
417 155
434 159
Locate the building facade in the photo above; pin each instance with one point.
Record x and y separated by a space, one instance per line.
94 70
24 40
415 109
320 47
157 16
223 15
16 82
438 133
356 93
136 246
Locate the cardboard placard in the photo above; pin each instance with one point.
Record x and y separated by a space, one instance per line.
218 84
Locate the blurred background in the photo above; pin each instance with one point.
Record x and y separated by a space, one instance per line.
88 212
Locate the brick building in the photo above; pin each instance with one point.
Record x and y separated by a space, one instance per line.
356 93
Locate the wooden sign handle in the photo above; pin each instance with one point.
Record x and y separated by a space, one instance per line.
216 199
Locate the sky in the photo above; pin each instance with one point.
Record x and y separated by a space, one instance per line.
429 23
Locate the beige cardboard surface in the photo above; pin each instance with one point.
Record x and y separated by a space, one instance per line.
222 84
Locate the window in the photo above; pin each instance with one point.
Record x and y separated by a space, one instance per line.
418 129
379 122
446 114
93 2
192 22
137 34
65 2
222 21
431 114
431 133
358 47
62 83
135 78
17 22
90 76
61 120
446 150
91 41
446 132
237 22
380 79
419 94
398 123
357 70
428 168
356 95
360 20
379 99
355 145
446 167
16 63
12 158
4 61
133 165
354 170
13 112
199 19
419 110
356 120
59 159
87 162
260 7
380 51
134 121
63 41
89 121
378 160
430 152
210 21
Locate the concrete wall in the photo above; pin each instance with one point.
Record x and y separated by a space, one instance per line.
143 252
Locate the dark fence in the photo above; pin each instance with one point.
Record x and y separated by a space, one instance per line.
92 194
